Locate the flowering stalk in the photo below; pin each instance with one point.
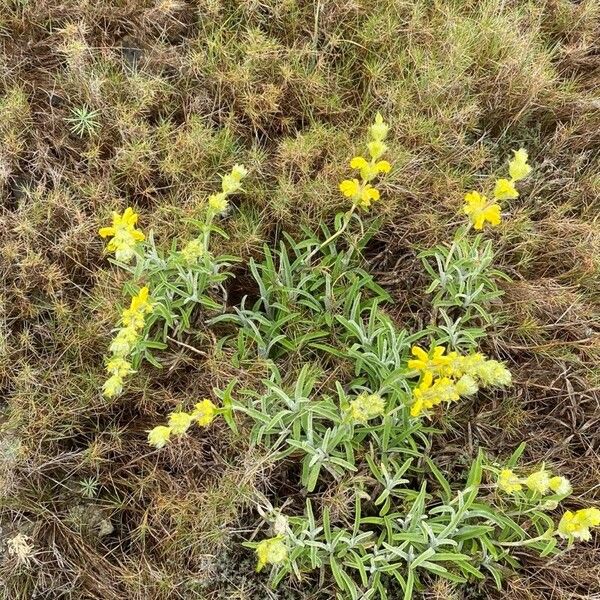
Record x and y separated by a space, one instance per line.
179 422
448 377
162 276
361 192
125 343
481 210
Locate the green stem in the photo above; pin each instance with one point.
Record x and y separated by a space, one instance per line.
334 236
539 538
206 233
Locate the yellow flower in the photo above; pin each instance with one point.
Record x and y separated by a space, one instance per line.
141 301
359 162
179 422
239 172
368 195
485 372
117 365
193 251
113 386
590 517
508 482
466 386
204 413
159 436
424 362
480 210
376 149
492 373
140 305
577 525
350 187
379 129
539 481
124 342
218 202
271 551
505 190
560 485
383 166
124 235
518 167
230 184
430 393
365 407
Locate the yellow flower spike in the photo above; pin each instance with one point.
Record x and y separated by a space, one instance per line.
421 362
141 301
350 187
124 235
427 381
560 485
271 552
508 482
590 517
179 422
417 408
113 386
368 170
218 202
379 129
492 373
577 525
438 358
366 406
376 149
539 481
359 162
505 190
480 210
518 167
159 436
204 412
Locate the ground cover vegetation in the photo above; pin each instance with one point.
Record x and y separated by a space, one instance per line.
300 299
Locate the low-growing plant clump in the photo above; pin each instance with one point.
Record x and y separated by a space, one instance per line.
368 429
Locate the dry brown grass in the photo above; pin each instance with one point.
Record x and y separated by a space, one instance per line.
179 90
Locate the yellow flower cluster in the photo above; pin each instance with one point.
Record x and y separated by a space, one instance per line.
576 525
363 194
193 251
124 235
541 482
366 406
123 344
203 415
448 377
481 210
271 552
230 184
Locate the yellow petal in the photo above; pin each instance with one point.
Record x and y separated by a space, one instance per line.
358 162
106 231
